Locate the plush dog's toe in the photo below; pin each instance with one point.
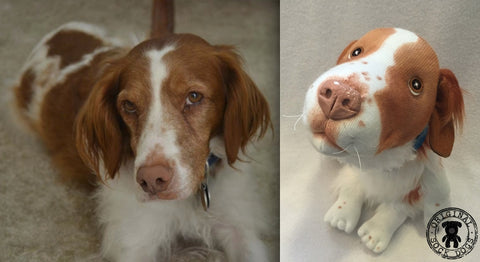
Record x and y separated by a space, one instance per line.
342 216
374 237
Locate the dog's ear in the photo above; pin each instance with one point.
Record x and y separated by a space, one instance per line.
246 109
99 130
444 224
344 55
458 224
447 115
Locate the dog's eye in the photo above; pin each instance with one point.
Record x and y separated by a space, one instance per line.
193 98
356 52
415 86
129 107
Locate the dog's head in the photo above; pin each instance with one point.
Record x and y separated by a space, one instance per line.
386 89
451 227
161 105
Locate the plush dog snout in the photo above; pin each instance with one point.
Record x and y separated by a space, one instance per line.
154 179
338 100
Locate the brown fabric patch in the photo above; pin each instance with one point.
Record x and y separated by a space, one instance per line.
413 196
361 124
403 115
71 45
448 114
369 43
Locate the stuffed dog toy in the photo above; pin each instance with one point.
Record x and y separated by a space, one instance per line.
389 112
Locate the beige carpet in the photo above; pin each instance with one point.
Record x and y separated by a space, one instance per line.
42 219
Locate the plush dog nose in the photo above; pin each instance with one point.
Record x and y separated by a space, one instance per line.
338 100
154 179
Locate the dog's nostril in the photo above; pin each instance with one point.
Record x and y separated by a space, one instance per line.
159 181
328 93
346 102
143 183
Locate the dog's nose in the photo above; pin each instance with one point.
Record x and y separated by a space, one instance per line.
154 179
338 100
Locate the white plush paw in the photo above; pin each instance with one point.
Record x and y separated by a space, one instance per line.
375 236
343 215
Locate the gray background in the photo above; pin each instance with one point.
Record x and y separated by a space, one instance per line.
313 34
42 219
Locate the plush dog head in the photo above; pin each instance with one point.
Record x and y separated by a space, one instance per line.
386 90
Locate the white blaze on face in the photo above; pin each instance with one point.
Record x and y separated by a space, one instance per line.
371 71
158 137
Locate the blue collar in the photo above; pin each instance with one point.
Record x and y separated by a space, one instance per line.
420 139
212 159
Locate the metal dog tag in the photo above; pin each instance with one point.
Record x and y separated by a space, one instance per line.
205 197
204 194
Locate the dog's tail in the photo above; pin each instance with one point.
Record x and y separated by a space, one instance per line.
162 18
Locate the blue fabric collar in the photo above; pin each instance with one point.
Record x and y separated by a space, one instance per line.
420 139
212 159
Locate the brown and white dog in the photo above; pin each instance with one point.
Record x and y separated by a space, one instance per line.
388 111
145 121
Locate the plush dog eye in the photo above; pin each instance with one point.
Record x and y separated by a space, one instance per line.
356 52
415 86
193 98
129 107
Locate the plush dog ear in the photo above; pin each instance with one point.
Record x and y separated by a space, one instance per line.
344 54
246 110
447 114
99 131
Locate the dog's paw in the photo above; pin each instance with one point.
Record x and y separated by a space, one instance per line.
375 236
343 215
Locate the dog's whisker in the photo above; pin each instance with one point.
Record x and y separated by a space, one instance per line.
292 115
296 122
358 155
339 152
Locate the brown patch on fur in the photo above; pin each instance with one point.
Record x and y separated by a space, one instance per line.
369 43
101 133
71 45
339 207
413 196
232 105
58 113
403 115
364 62
361 124
379 78
24 92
